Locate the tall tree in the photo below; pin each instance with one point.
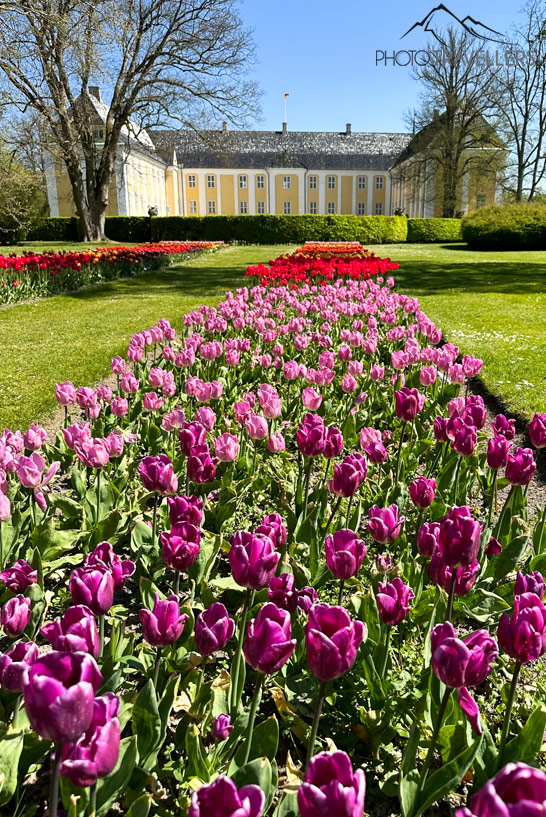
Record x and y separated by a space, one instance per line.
523 103
453 113
159 61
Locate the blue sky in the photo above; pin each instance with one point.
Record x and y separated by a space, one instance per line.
323 54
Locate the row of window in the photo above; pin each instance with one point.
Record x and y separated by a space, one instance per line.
287 208
287 182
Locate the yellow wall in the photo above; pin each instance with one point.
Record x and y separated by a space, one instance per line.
170 181
282 195
347 195
65 198
227 193
191 193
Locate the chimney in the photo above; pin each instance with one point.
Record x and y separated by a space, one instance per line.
284 128
224 127
435 113
348 129
94 90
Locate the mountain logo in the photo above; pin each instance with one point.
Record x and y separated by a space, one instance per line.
441 18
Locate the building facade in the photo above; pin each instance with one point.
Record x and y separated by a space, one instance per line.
224 172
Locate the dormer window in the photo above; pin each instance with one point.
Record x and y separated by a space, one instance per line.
98 133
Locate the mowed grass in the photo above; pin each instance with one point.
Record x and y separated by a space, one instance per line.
56 246
492 305
73 337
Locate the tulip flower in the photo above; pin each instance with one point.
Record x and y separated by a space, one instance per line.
226 447
520 467
253 559
15 615
422 492
462 579
408 404
5 508
344 553
156 474
180 547
20 576
34 438
311 398
256 427
530 583
331 787
185 509
459 537
65 393
498 449
493 547
164 624
274 527
221 727
213 629
393 601
427 539
200 466
523 634
191 434
96 753
30 471
462 662
503 427
537 430
15 664
104 556
276 442
60 694
269 643
333 445
384 525
311 436
76 631
76 434
93 587
222 799
332 640
94 453
518 790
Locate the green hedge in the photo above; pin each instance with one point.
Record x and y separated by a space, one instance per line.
433 230
55 229
506 227
259 229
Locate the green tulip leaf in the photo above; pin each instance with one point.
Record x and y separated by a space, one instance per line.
448 777
11 746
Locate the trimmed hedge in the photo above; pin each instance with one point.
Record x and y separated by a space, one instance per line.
55 229
259 229
433 230
506 227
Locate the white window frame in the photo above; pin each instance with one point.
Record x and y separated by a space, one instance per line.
193 207
379 182
312 183
211 181
243 182
286 182
212 207
331 208
243 208
379 208
313 208
260 208
361 208
481 200
331 182
192 180
260 182
362 182
287 208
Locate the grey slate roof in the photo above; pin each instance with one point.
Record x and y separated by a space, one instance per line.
261 149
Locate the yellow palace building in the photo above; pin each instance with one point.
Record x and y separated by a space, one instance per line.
226 172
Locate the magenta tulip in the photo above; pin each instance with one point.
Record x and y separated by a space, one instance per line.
517 790
15 664
522 635
384 525
76 631
393 601
269 643
15 615
92 587
253 559
213 629
344 552
332 640
96 753
331 788
459 537
164 624
157 475
180 546
222 799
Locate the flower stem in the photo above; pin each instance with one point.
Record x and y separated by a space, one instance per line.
97 511
177 584
508 713
334 511
400 451
341 587
316 718
252 714
451 596
493 495
457 473
93 800
19 706
154 521
386 653
54 785
233 696
101 635
349 508
156 667
306 485
431 748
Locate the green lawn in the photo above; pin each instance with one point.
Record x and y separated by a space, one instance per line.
73 337
490 304
55 246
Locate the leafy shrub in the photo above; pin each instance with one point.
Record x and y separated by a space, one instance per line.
128 228
506 227
54 229
430 230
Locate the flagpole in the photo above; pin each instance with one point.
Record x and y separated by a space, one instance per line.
285 107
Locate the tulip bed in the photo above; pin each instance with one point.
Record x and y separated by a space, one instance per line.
283 567
35 275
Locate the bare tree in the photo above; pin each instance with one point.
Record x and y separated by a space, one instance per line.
453 133
159 60
523 103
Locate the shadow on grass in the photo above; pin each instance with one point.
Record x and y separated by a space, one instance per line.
425 277
204 282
